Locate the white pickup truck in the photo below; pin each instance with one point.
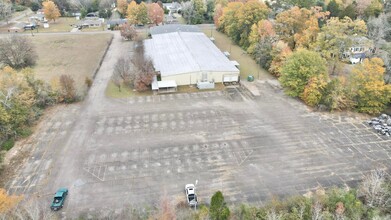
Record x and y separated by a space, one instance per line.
191 195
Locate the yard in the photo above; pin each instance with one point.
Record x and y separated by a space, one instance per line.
75 55
62 24
247 65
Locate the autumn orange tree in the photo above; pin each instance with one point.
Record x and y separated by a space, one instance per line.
279 53
227 21
299 26
247 15
122 6
51 10
8 202
155 13
137 13
367 88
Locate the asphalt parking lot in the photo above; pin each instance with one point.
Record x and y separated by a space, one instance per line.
116 153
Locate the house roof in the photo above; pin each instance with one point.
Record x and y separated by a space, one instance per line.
116 21
170 28
186 52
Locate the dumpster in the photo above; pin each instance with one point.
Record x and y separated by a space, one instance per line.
250 78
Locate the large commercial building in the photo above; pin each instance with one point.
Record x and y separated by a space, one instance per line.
183 54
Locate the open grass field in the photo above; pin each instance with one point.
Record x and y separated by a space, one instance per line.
75 55
248 66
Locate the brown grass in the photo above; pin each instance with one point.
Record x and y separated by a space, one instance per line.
76 55
248 66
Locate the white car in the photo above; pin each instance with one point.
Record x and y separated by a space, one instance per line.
190 194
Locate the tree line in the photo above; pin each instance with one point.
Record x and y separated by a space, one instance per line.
306 47
370 200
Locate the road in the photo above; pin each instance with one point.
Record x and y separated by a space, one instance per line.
116 153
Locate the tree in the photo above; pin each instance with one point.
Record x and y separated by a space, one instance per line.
193 11
335 96
373 189
7 202
248 14
68 90
314 90
336 37
279 53
367 87
5 10
128 32
155 13
122 7
374 9
17 51
263 29
188 11
218 12
291 24
227 21
299 68
122 73
209 13
34 6
361 6
333 8
218 208
143 71
132 12
349 11
137 14
51 11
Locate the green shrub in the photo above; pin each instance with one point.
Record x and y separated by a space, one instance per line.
18 7
8 144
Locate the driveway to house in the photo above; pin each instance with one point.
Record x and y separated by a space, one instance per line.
116 153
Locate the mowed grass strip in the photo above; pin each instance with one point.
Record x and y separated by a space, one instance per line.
62 24
75 55
248 66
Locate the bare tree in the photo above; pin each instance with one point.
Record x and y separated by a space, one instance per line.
122 72
128 32
144 70
273 215
68 90
317 211
373 189
17 51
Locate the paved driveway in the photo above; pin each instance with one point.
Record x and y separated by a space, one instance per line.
114 153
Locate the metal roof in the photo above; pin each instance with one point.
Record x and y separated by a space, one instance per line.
170 28
186 52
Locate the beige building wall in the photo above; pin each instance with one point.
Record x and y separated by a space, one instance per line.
193 78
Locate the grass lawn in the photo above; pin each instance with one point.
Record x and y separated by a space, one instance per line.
75 55
247 64
113 92
62 24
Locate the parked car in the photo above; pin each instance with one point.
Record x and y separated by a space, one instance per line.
29 27
59 199
191 196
